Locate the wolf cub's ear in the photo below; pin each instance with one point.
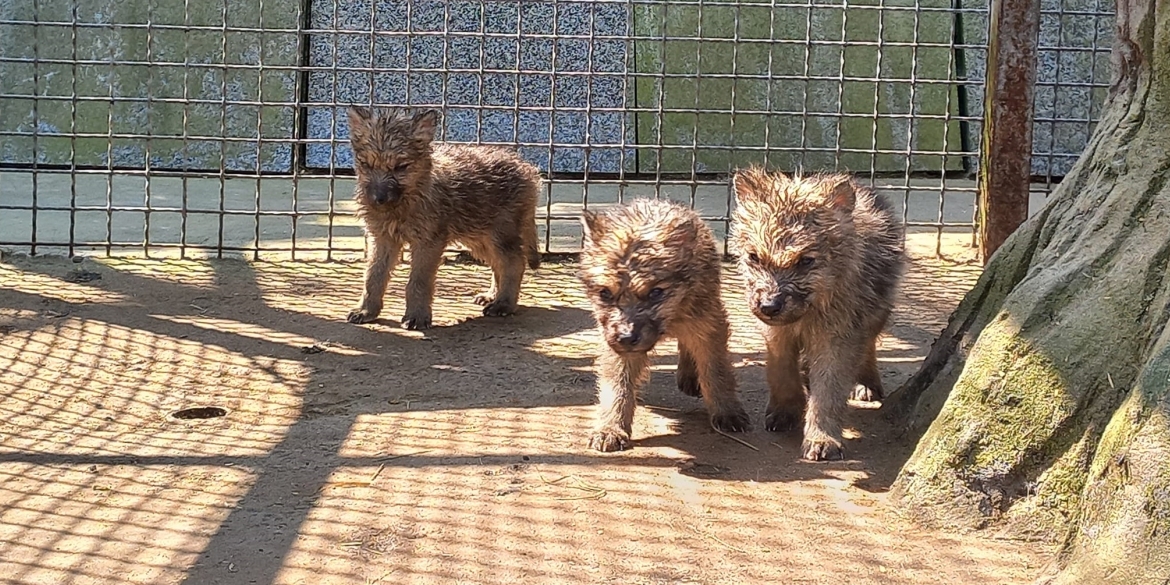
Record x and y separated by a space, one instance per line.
360 113
359 117
754 183
593 224
843 195
423 125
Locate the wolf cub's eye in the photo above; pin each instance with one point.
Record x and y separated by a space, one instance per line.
656 294
806 261
402 167
753 258
605 295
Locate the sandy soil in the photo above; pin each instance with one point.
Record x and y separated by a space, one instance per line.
368 454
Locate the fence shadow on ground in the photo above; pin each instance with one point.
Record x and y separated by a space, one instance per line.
371 454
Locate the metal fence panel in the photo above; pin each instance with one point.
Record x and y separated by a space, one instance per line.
217 126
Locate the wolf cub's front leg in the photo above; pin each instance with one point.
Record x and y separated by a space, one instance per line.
425 258
383 258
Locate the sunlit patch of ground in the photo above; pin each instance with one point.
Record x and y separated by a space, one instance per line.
367 454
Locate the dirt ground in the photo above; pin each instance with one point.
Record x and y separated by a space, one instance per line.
369 454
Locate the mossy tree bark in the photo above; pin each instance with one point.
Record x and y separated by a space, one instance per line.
1044 408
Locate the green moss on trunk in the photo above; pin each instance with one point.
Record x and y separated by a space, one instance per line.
1124 531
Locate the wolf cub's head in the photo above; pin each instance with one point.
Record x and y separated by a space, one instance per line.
392 151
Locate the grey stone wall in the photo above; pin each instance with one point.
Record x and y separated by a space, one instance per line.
429 69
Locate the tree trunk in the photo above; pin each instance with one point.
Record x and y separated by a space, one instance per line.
1044 407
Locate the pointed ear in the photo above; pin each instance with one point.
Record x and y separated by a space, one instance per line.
753 183
359 117
593 224
843 195
423 125
682 238
743 184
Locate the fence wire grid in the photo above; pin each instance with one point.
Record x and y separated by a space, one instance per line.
213 127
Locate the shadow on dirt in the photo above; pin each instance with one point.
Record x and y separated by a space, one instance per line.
539 358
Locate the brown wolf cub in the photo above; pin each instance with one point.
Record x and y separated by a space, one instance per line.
411 190
822 257
651 269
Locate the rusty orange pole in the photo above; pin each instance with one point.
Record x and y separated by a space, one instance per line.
1005 152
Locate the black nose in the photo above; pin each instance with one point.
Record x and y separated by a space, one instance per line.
773 306
629 338
385 192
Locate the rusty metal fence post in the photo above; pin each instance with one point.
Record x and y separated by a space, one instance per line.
1005 153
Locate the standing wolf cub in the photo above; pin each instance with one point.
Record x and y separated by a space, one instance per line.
411 190
822 258
651 269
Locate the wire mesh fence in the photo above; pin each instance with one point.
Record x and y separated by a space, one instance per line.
1076 38
194 127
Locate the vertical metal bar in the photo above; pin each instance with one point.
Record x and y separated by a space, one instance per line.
479 73
806 86
373 46
953 80
445 81
1006 151
552 128
409 61
909 166
1095 48
588 106
629 89
516 83
223 96
73 130
517 79
1056 87
768 100
110 148
877 94
735 42
660 102
698 81
185 184
259 166
149 130
36 114
959 53
332 106
976 213
409 47
841 86
300 118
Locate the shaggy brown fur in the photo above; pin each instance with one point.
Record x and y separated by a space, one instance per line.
822 258
410 190
651 269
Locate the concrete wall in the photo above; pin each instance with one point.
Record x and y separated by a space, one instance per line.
802 125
